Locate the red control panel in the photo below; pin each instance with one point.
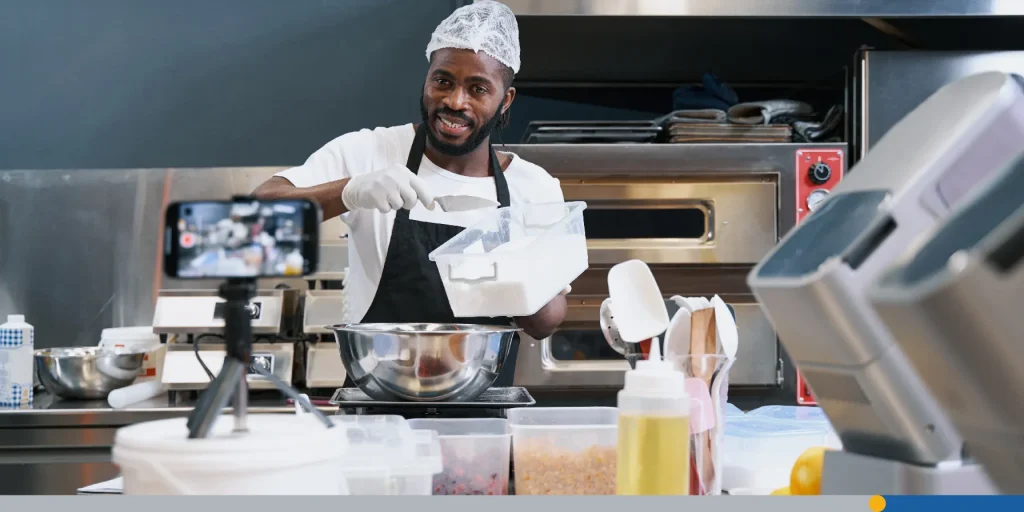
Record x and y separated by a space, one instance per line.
803 392
818 171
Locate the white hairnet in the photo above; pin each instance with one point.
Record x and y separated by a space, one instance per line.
485 26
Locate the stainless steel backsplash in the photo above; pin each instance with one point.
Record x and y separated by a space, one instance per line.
79 248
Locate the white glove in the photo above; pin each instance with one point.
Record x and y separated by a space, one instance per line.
388 190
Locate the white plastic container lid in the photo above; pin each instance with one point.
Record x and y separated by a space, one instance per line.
791 412
810 417
655 376
130 335
758 427
272 441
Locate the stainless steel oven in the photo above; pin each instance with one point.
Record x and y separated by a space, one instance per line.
701 216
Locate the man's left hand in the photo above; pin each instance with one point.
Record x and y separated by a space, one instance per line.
543 323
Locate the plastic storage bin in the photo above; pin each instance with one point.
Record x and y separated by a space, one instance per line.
475 453
386 457
514 261
760 452
564 450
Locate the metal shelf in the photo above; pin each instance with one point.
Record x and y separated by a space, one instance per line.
770 8
592 160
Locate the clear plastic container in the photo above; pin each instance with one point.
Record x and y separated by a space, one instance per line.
760 452
514 261
791 412
810 415
731 411
564 450
386 457
475 452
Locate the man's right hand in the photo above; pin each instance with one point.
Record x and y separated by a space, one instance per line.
388 190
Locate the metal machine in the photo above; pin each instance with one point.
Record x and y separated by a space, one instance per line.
192 324
889 84
701 215
954 306
287 314
813 286
288 330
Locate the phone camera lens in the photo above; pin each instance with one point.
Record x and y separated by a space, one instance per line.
188 212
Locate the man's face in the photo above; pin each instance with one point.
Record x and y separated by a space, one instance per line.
463 99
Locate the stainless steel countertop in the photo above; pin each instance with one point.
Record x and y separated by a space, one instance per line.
50 411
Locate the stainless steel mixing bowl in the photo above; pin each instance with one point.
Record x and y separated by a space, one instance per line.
89 373
423 362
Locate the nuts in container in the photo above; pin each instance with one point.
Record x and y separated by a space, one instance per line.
564 450
542 468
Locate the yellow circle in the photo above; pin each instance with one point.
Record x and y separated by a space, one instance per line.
876 503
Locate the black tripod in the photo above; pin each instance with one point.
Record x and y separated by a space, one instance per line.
231 381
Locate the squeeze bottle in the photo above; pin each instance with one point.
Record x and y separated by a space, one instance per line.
16 361
654 430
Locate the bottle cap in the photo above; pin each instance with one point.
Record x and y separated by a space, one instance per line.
16 319
656 376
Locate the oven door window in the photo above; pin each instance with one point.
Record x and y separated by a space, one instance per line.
639 223
582 345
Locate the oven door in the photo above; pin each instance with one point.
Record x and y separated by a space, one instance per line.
678 220
578 356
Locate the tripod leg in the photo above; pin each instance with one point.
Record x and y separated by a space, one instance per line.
241 405
220 392
294 395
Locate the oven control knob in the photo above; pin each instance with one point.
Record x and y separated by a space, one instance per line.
819 173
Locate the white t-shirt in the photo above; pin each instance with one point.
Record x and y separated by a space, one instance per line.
366 151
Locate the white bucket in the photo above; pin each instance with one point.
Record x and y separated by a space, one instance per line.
140 338
281 454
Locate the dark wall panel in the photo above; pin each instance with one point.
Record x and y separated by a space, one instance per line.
157 83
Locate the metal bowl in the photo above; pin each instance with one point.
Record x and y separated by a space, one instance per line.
89 373
423 362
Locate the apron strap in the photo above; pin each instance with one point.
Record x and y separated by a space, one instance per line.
419 144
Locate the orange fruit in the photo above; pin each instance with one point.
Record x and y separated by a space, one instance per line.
805 479
781 491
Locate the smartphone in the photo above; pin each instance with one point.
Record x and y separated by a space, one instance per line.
241 238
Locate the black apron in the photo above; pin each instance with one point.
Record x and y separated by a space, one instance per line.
410 289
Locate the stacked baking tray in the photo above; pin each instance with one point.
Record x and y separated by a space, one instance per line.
591 132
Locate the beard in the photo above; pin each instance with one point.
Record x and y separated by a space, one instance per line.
473 141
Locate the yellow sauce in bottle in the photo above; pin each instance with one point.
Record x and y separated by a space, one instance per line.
654 455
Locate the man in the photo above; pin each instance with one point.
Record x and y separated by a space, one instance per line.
382 182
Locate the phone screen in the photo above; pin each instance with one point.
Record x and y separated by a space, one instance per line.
226 239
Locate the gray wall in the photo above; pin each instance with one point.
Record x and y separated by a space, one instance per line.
203 83
193 83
